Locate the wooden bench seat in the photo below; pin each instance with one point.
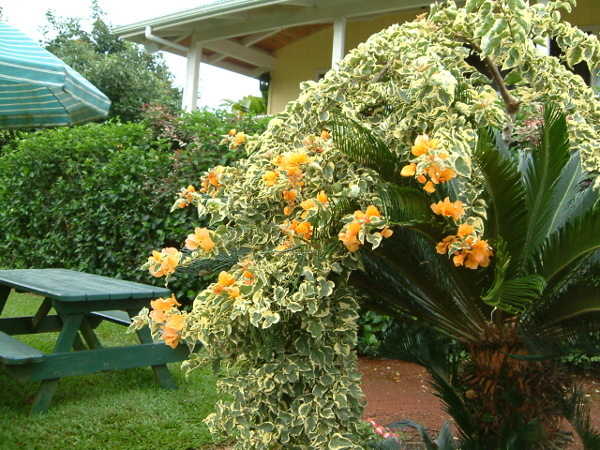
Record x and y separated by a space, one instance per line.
115 316
13 351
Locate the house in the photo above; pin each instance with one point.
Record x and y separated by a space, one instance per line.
284 42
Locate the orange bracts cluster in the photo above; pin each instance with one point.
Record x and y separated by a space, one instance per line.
291 162
429 164
270 178
351 232
316 144
186 196
465 248
234 138
163 263
171 329
447 208
160 306
200 238
225 284
301 229
247 275
212 182
311 204
164 311
290 165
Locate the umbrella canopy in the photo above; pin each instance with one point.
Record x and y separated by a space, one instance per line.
37 89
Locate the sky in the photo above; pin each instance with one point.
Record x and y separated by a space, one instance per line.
216 84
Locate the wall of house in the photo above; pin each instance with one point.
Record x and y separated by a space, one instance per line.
308 58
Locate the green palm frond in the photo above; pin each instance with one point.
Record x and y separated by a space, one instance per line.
512 295
363 147
567 324
577 412
327 222
219 262
541 170
410 207
404 205
406 277
576 240
568 186
507 213
584 200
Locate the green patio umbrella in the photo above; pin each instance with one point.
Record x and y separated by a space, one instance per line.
37 89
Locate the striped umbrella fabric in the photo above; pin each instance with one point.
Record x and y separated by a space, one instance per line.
39 90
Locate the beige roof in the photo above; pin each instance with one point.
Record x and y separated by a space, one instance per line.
243 35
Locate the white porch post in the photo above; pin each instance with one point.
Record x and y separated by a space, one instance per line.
544 49
339 40
190 92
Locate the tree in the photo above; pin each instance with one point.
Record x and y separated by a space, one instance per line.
129 76
398 181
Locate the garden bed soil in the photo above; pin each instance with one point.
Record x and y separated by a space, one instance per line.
397 390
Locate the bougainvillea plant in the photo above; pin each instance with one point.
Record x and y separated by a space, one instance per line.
289 224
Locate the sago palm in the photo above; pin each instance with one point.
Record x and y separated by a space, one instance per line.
513 317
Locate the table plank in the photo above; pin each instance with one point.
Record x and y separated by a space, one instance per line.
68 285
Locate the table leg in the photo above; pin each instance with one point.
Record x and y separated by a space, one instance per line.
4 292
41 313
89 335
161 371
65 341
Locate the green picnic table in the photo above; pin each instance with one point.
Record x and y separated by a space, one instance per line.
81 302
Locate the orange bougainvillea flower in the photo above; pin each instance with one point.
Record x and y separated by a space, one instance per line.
248 277
480 253
270 177
175 321
287 210
322 198
350 236
308 204
211 180
442 247
368 215
233 292
429 187
232 132
304 230
325 134
201 237
409 170
187 194
447 208
371 212
423 144
226 279
160 305
171 330
473 255
386 232
290 195
291 161
165 262
464 230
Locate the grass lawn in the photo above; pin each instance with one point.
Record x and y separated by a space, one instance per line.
124 409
